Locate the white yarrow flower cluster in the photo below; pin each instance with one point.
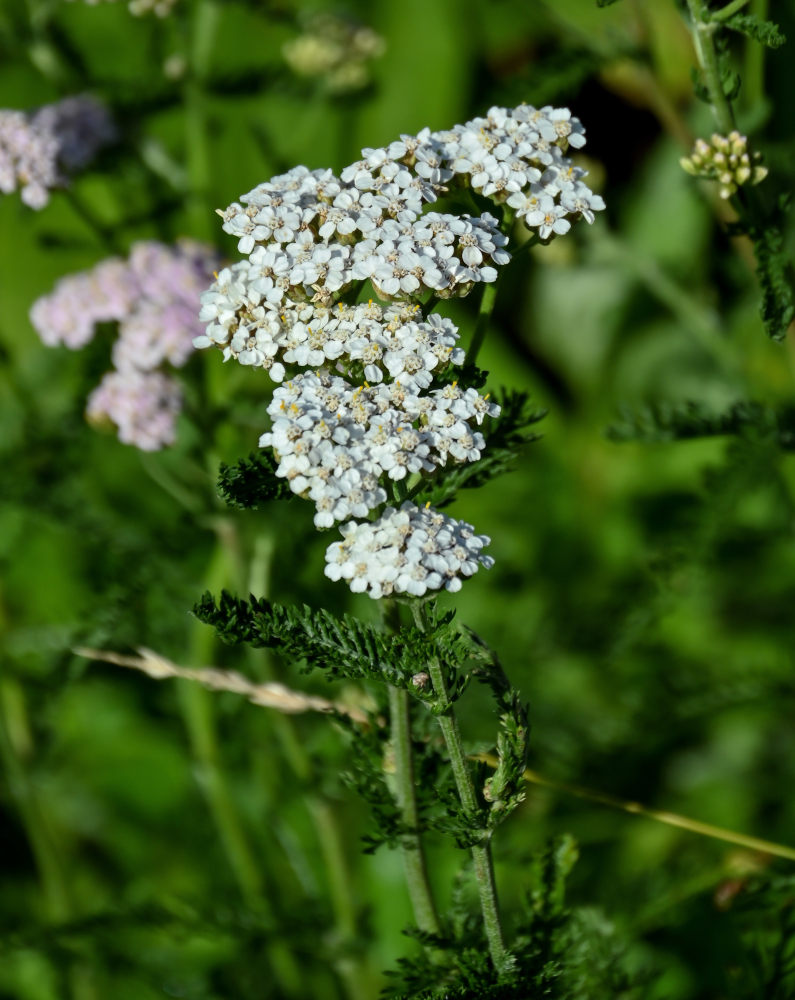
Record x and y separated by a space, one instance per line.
248 320
310 235
356 411
336 442
411 551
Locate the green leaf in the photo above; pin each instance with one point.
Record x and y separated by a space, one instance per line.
773 268
682 421
505 788
605 3
252 482
341 647
765 32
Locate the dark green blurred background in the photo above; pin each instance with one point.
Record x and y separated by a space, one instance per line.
157 841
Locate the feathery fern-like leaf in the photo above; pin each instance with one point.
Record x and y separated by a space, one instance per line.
341 647
252 481
765 32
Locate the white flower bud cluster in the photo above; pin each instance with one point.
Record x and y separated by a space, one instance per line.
335 441
412 550
361 415
726 159
336 50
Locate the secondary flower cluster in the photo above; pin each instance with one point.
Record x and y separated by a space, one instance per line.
407 551
362 340
335 51
336 442
153 296
369 406
725 159
39 150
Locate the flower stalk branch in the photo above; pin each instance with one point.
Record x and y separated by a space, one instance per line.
414 863
481 852
703 31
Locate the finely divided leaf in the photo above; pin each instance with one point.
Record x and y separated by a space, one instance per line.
252 482
682 421
773 268
341 647
766 32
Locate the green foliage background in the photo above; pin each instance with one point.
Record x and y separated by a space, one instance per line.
157 841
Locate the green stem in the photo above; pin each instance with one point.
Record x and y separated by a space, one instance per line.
199 716
692 315
703 31
40 836
197 710
532 241
185 496
413 855
728 11
488 299
201 32
487 302
746 200
414 863
481 852
104 233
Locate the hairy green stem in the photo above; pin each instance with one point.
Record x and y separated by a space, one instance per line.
481 852
703 32
414 863
746 200
728 11
413 855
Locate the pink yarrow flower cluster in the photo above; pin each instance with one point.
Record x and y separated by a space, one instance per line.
153 296
39 150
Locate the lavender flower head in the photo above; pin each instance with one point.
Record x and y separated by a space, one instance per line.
38 150
153 295
143 406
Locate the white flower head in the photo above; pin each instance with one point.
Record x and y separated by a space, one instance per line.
412 550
